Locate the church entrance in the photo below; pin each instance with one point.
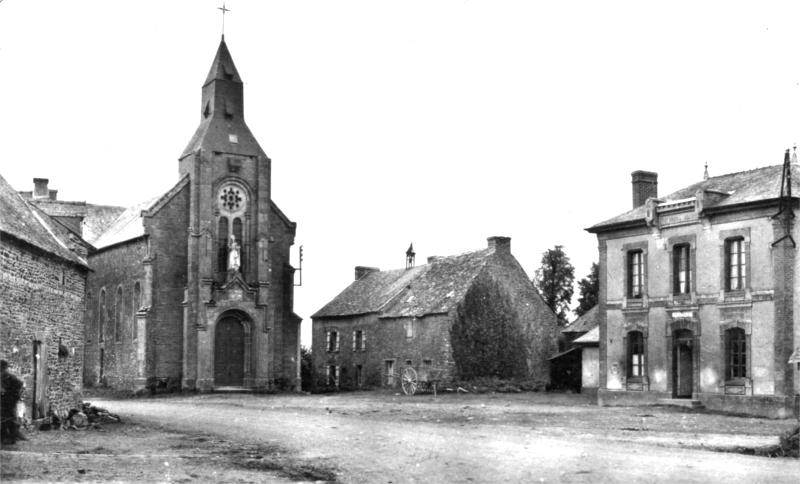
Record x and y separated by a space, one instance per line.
229 353
682 364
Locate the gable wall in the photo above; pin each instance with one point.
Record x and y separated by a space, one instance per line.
540 325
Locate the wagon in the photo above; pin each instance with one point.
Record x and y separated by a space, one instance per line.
423 378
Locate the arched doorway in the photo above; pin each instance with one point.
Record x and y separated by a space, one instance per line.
229 352
682 364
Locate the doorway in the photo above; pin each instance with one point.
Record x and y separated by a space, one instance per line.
682 364
229 353
38 391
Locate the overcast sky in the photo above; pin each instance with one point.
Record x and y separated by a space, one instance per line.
441 123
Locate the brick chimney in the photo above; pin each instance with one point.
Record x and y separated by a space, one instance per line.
40 188
645 185
500 244
362 271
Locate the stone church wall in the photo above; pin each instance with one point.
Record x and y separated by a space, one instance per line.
286 331
118 267
43 300
168 229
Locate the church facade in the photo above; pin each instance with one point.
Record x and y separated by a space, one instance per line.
194 289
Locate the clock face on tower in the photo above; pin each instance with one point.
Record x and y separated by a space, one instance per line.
231 199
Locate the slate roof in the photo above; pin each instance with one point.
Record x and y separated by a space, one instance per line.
744 187
98 218
591 337
584 323
25 222
432 288
213 132
129 224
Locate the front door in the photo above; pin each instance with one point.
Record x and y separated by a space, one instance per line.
229 353
682 364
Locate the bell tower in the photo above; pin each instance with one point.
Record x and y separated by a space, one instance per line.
228 260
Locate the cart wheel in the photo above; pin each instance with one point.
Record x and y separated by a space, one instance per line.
410 381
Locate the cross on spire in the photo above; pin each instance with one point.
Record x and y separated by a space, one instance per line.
223 17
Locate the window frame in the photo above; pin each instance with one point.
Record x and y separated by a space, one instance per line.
332 341
740 265
682 265
632 275
635 341
736 337
359 340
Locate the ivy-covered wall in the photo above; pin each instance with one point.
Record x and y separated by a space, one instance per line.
486 336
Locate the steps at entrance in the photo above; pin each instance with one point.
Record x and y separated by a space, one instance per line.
232 390
681 402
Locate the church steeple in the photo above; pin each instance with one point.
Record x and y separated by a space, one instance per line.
222 126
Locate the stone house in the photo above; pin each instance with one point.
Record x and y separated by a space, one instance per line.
473 314
698 298
193 288
42 288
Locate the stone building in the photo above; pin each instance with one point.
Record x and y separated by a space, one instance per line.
42 289
192 289
473 314
697 296
575 368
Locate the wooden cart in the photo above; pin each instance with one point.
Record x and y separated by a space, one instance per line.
422 378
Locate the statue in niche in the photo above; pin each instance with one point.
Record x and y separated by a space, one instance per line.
234 259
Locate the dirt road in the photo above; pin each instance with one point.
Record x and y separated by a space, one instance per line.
379 437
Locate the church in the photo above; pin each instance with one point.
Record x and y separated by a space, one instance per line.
193 289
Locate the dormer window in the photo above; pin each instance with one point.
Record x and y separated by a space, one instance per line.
233 138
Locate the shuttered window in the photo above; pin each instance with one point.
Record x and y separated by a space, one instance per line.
333 341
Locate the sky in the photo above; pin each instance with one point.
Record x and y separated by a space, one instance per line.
440 123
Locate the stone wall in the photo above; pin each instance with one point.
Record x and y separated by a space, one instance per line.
43 305
168 229
116 268
400 340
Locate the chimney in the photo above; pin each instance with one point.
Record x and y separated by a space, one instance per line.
40 188
500 244
362 271
645 185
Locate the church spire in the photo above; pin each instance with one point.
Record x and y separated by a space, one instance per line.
222 127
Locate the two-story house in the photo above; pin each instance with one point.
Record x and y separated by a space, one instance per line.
697 294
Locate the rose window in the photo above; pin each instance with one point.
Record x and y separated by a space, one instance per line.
232 199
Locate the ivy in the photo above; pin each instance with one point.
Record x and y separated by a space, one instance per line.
486 336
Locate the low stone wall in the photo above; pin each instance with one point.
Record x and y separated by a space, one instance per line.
607 398
758 405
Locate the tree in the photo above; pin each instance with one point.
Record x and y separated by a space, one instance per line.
554 281
588 287
306 368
